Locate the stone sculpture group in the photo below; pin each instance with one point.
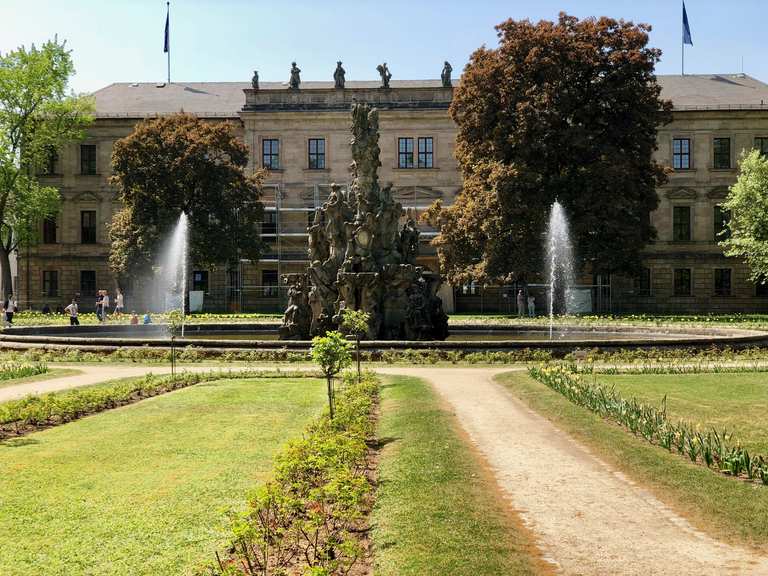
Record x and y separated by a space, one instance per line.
362 259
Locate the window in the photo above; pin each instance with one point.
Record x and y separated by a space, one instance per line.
721 148
317 153
682 279
721 219
722 281
49 230
88 282
51 158
200 281
681 223
269 282
50 283
405 152
88 227
270 154
425 153
681 153
761 143
88 159
233 283
643 282
269 224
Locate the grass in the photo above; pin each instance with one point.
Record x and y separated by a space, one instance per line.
727 508
735 401
139 490
52 373
437 510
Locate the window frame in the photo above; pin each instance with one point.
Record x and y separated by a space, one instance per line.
269 223
85 290
723 156
643 282
720 219
50 283
676 228
50 230
761 144
405 157
425 158
689 292
88 164
91 237
274 153
682 154
721 291
316 159
270 289
200 284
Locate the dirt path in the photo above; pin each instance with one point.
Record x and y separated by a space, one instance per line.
93 374
588 518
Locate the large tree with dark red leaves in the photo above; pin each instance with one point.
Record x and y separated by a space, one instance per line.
181 163
563 110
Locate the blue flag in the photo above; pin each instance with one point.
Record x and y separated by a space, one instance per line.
686 29
167 28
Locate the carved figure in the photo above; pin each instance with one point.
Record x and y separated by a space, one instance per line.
295 80
385 74
409 241
445 75
298 315
255 80
318 242
338 75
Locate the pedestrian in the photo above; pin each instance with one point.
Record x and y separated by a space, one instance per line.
134 318
99 300
46 309
104 306
531 306
72 311
520 303
119 303
147 318
9 308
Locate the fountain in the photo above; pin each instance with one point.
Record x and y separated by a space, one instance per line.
362 259
559 263
173 268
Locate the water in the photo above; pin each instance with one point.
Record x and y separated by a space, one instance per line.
559 262
173 268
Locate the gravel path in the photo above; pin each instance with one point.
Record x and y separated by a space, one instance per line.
588 518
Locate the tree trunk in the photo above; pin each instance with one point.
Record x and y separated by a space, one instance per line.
6 278
330 394
357 340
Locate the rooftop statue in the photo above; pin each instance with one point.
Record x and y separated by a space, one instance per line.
445 75
295 79
255 80
338 75
361 258
385 74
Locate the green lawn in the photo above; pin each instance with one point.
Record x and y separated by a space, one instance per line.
728 508
437 509
735 401
140 490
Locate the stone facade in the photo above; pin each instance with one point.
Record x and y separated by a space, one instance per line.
303 136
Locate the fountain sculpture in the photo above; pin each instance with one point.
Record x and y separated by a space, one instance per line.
361 259
560 264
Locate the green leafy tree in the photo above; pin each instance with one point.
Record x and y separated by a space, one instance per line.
177 164
356 322
747 202
563 110
332 353
37 117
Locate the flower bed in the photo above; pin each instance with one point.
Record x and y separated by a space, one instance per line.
13 370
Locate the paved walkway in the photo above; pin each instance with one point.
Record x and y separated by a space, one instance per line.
588 518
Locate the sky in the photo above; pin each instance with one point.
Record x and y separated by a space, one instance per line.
225 40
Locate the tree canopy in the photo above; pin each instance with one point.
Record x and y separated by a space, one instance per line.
37 117
563 110
176 164
747 202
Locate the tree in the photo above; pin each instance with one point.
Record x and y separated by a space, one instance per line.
331 352
747 226
177 164
37 117
356 322
562 110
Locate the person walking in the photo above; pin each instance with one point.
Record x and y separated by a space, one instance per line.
9 308
119 303
99 308
72 311
531 306
104 306
520 303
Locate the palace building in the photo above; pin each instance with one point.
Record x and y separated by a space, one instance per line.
302 137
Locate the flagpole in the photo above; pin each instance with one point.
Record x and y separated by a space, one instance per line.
682 45
168 19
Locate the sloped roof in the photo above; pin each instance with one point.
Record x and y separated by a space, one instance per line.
226 99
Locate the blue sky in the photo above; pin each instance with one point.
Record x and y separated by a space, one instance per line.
122 40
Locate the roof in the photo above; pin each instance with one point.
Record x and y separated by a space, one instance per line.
714 91
226 99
